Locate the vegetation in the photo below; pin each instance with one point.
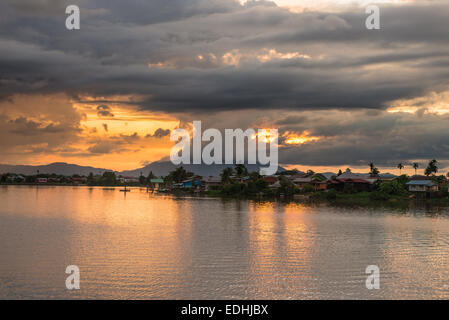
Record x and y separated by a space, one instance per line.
432 168
178 175
238 182
373 170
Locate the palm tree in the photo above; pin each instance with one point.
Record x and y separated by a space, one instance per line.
415 166
373 170
400 166
241 170
226 175
431 168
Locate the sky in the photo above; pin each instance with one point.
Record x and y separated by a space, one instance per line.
340 95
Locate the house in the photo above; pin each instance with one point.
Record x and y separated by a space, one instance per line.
19 178
129 179
318 181
211 182
270 179
357 185
156 183
357 181
78 180
191 183
421 184
302 182
41 180
275 185
386 177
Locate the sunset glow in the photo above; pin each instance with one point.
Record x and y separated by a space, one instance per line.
293 138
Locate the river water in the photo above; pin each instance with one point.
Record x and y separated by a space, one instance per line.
144 246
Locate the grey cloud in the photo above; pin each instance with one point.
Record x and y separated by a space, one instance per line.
104 111
350 69
94 61
159 133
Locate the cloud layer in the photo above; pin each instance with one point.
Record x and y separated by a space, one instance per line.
319 71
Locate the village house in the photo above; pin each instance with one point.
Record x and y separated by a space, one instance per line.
270 179
211 182
302 182
156 183
192 183
128 179
78 180
358 181
422 184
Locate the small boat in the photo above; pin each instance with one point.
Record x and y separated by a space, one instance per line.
125 190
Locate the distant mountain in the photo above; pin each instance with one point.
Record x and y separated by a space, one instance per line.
159 168
163 168
57 168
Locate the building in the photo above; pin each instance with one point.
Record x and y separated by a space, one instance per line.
191 183
318 181
386 177
302 182
78 180
41 180
156 183
356 181
129 179
421 184
211 182
270 179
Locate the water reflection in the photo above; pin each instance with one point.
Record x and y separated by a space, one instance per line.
148 246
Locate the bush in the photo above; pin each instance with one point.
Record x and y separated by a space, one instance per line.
379 196
234 189
349 188
308 188
393 188
331 194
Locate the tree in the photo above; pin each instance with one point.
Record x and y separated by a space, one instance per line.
241 170
178 175
142 179
150 176
109 178
90 178
415 166
254 175
373 170
287 186
339 172
400 167
310 172
432 168
348 170
226 175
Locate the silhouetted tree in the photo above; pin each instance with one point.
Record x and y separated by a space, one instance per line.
415 166
226 175
432 168
373 170
150 176
241 170
179 175
400 167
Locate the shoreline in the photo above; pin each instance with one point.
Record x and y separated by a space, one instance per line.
361 199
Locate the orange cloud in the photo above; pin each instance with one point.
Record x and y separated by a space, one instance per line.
294 138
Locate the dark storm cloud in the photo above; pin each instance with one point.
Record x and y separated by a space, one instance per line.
357 139
109 55
171 54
